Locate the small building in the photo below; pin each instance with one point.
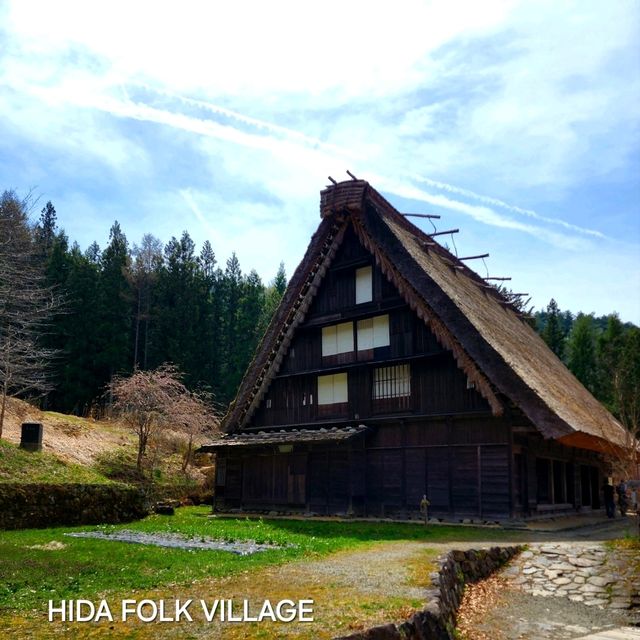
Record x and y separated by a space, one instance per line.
392 370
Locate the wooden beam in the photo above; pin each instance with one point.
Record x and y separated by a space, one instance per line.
351 175
481 255
443 233
497 278
421 215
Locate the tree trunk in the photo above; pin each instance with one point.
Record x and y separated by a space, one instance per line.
187 455
142 445
2 408
135 348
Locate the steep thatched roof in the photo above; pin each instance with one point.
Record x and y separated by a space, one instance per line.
504 356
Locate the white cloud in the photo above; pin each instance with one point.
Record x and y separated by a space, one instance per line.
486 110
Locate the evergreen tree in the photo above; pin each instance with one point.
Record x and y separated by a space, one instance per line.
610 347
147 262
273 296
180 301
280 281
553 333
45 231
250 313
114 309
93 253
79 379
627 382
582 351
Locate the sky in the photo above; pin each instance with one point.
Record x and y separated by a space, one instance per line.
516 122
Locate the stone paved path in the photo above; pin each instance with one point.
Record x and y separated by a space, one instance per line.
622 633
586 572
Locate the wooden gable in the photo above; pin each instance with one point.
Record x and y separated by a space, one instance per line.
375 355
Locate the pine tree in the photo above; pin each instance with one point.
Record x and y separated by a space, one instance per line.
230 336
610 345
114 324
147 261
179 304
582 351
45 231
553 333
93 253
273 296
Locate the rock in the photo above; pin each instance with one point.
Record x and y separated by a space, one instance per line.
530 570
595 602
599 581
576 598
591 588
561 581
579 579
550 551
583 562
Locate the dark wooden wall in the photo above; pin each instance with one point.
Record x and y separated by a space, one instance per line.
437 387
440 441
461 465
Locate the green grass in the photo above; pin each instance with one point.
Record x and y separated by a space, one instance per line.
18 465
88 568
66 417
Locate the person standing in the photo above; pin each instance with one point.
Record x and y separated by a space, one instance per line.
623 504
609 504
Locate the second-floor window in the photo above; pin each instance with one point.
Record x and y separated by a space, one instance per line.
373 333
364 285
337 338
391 382
332 389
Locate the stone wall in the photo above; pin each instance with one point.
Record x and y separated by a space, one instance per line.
437 621
46 505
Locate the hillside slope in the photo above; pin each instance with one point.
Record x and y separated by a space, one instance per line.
70 438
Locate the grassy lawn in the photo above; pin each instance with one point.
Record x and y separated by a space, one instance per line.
38 565
18 465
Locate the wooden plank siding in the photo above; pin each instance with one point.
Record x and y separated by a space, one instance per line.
434 435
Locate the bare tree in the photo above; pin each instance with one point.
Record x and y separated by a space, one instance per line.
26 305
151 401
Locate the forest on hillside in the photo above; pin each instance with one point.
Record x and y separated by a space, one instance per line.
125 307
71 320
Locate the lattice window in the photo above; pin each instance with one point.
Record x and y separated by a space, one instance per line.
391 382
